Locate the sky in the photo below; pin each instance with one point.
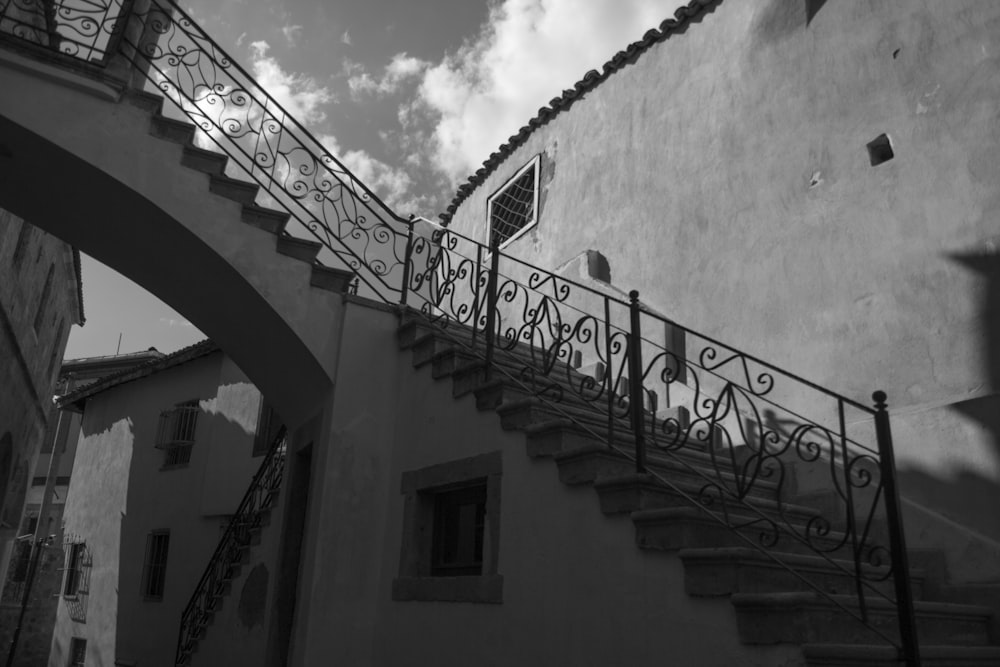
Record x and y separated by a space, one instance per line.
411 95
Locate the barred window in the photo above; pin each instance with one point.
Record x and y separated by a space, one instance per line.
154 571
176 431
74 568
77 652
513 209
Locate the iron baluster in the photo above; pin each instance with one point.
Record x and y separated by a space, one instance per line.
608 375
407 260
491 306
635 381
476 304
897 539
852 522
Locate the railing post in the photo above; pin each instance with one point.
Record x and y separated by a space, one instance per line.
476 304
491 305
635 381
608 372
407 258
897 540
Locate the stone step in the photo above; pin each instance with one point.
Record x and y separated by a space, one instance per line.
171 129
241 192
807 617
151 102
556 434
675 528
264 218
303 249
329 278
203 160
631 492
728 570
880 655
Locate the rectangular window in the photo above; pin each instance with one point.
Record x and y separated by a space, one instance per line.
513 209
74 568
77 652
23 237
268 425
176 431
43 301
154 572
459 521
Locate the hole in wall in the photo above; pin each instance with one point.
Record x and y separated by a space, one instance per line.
880 150
895 54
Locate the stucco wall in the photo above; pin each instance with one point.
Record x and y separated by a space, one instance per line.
119 473
576 590
725 176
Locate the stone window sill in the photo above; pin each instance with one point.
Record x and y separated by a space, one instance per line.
485 589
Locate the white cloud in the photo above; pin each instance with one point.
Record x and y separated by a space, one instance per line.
526 54
300 95
291 33
345 38
239 40
393 186
401 69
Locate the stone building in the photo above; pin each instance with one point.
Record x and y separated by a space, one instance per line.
47 496
40 299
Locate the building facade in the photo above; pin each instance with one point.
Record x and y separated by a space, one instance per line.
169 447
42 517
40 299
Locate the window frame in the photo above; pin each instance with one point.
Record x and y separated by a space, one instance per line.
535 163
153 588
77 644
420 576
177 433
73 577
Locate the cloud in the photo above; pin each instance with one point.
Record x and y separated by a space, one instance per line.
526 54
239 40
399 70
291 33
300 95
345 38
394 186
172 322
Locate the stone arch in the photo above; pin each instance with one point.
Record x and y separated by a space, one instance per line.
84 166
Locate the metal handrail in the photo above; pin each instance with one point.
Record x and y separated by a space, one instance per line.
257 498
457 279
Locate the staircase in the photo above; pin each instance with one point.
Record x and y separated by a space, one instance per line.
788 593
711 453
242 533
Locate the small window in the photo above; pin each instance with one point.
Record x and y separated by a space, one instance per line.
268 425
23 238
74 568
459 521
176 431
77 652
154 572
513 209
43 301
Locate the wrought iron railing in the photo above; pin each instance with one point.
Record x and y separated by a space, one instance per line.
235 540
652 388
84 29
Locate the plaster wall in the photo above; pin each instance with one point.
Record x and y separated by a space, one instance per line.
98 149
725 175
576 590
191 501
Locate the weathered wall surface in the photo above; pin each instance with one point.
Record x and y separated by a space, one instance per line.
34 328
725 175
119 473
576 590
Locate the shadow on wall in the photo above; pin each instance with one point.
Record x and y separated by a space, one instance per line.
781 19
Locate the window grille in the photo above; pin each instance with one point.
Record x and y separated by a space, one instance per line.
74 568
154 572
176 432
513 209
77 652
